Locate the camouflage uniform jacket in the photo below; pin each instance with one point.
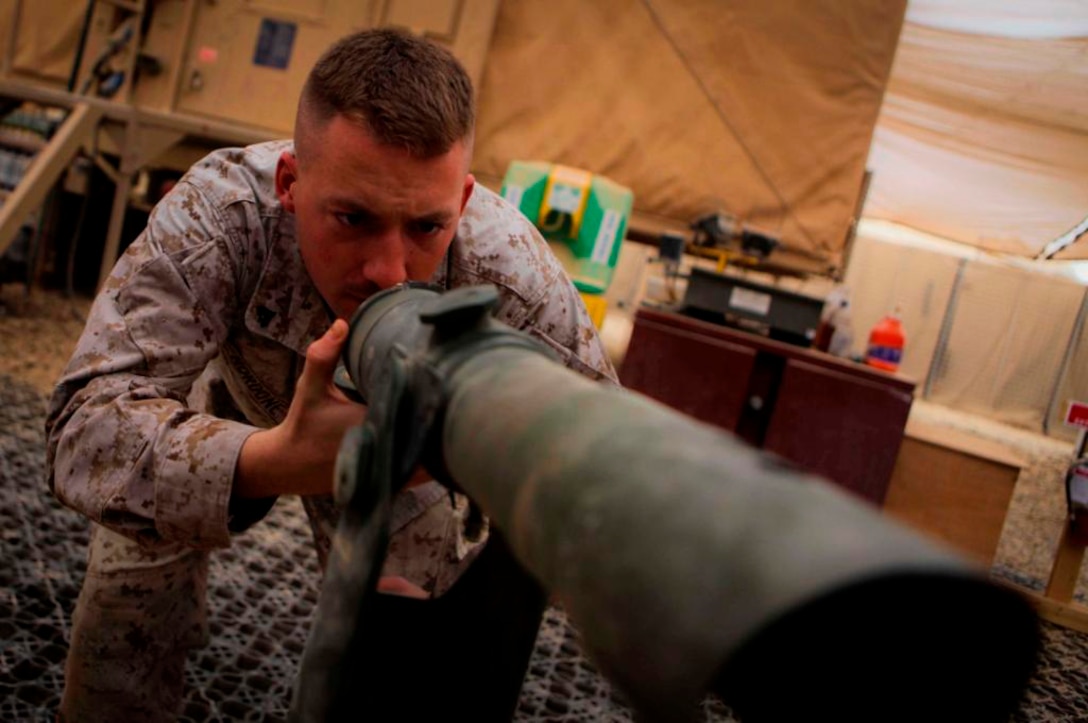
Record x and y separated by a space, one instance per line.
214 296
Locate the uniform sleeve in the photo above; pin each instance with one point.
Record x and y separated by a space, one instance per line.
123 448
498 245
559 319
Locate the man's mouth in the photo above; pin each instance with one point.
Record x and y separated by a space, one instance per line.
361 293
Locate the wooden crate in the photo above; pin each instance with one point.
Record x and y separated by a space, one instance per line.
954 486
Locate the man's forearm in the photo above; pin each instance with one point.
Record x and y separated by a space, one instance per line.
145 467
270 464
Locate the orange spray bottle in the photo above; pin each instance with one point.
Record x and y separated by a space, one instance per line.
886 342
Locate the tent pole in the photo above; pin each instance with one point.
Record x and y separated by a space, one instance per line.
946 332
1078 327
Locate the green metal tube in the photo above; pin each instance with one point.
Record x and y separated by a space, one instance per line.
689 561
676 547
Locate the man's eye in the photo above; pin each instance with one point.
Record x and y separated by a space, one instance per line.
350 220
427 228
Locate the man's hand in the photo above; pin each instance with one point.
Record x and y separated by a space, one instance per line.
401 587
298 455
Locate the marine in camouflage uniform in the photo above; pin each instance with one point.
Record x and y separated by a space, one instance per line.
194 343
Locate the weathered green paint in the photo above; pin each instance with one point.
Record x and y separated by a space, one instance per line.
675 547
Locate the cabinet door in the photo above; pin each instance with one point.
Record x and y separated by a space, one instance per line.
698 375
840 426
247 60
45 38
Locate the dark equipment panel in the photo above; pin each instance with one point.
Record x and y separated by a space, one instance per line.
780 314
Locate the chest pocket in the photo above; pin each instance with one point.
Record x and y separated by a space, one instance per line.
261 376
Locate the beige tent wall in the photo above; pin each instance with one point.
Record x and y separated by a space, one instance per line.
1009 332
882 276
1010 326
761 110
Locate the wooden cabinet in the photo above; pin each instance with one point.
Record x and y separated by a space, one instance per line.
698 375
248 59
245 61
838 419
843 425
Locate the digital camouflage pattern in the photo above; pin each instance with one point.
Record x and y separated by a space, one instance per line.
195 341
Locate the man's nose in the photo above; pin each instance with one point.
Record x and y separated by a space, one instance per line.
388 264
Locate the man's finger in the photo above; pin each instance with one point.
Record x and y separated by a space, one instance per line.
321 359
402 587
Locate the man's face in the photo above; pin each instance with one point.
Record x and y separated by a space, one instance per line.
369 216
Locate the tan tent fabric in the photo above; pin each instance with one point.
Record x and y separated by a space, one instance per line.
1009 334
633 90
983 137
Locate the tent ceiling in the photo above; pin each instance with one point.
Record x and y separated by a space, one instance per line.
761 110
983 135
767 111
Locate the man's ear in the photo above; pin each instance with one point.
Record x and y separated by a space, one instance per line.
470 183
286 178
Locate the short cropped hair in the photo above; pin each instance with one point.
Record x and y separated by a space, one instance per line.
409 92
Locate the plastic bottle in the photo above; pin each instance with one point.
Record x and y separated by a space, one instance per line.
835 333
842 338
886 342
